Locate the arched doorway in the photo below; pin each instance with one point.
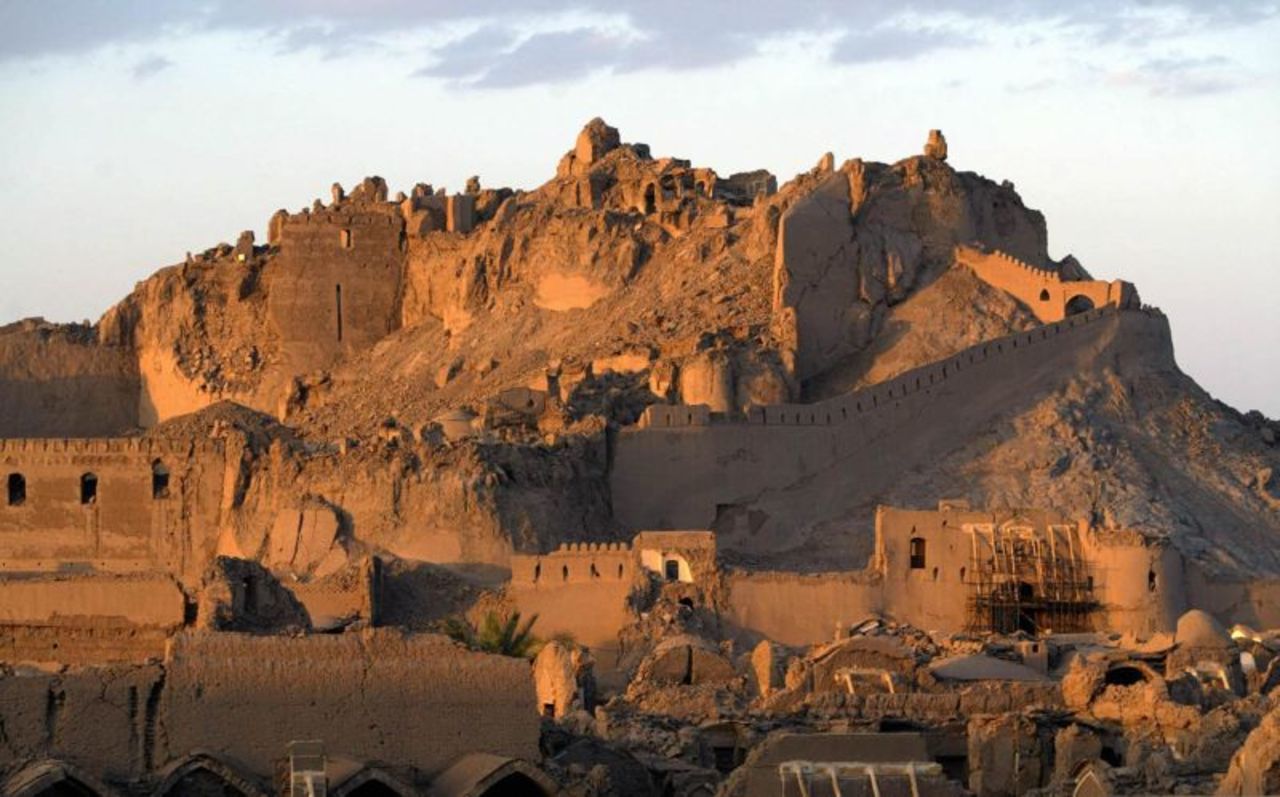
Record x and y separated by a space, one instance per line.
201 782
52 779
370 782
515 784
202 775
650 199
1079 304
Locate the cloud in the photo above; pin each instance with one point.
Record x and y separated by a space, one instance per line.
513 44
1181 76
149 66
895 44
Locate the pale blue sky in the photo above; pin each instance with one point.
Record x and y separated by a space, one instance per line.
1147 132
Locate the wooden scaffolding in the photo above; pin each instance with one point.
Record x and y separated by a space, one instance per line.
1019 579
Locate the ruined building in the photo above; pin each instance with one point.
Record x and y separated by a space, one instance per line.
645 481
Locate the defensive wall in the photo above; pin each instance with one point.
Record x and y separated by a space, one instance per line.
582 589
334 287
588 590
54 384
112 505
1042 290
420 702
682 469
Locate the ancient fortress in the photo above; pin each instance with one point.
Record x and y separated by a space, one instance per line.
643 403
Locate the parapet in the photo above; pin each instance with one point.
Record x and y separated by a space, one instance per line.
889 393
108 445
667 416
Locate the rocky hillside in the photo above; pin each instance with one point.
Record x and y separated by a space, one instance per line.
623 281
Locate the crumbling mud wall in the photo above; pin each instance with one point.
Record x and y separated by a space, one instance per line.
57 380
581 589
116 505
802 609
812 458
1254 603
334 287
1043 290
418 702
1141 584
88 618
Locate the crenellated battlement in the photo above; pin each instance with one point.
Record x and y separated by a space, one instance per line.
592 547
108 445
1043 290
871 399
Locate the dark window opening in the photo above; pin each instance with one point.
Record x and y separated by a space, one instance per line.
935 574
725 759
672 570
159 480
619 571
250 595
88 488
899 725
650 200
537 571
1044 295
962 575
687 602
17 486
594 573
344 238
564 573
1112 756
1151 581
701 188
338 297
1124 675
549 710
917 553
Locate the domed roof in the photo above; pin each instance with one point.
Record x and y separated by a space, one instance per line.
1198 629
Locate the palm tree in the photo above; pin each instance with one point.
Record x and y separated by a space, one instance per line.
503 636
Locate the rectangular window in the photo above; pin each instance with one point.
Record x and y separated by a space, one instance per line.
917 553
344 238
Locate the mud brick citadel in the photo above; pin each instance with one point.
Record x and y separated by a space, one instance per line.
841 486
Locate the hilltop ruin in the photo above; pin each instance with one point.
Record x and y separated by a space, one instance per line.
838 484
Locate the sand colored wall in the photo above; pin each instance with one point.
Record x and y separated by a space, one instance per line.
356 248
91 600
125 528
801 609
419 701
1252 603
935 596
104 719
675 477
50 385
582 589
1141 585
413 701
1042 290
